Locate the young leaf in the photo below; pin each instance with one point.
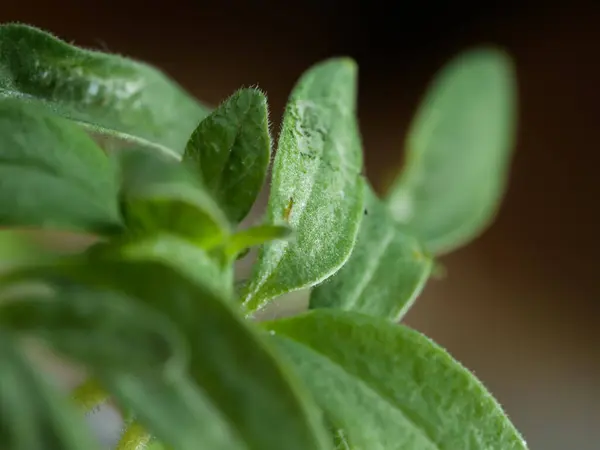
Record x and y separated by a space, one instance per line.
229 362
231 149
387 386
317 186
33 415
458 152
385 273
53 175
98 328
161 195
107 94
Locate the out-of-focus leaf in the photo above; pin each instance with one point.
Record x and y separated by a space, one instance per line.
458 152
111 96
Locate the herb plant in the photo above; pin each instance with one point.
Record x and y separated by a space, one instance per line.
98 144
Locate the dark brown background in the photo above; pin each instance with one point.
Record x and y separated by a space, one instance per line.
520 305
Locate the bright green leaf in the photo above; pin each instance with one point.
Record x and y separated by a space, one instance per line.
33 416
229 362
317 186
231 149
458 152
53 175
385 273
389 387
161 195
98 328
109 95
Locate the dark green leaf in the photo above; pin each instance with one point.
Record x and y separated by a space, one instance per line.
161 195
52 174
317 186
99 328
459 149
109 95
389 387
385 273
229 362
231 149
33 416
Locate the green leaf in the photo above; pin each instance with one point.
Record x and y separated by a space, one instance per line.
385 273
213 270
175 411
33 415
109 95
99 328
231 150
458 152
161 195
229 362
317 187
53 175
255 236
389 387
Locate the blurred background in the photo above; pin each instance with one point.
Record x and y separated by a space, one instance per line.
519 306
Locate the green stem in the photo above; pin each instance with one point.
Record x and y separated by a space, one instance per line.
134 438
89 395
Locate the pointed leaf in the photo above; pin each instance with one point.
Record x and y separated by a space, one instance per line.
231 149
317 186
109 95
389 387
53 175
33 415
458 152
161 195
98 328
385 273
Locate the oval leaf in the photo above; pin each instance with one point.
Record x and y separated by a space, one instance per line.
385 273
317 187
109 95
458 152
53 175
161 195
388 387
231 149
98 328
33 415
229 362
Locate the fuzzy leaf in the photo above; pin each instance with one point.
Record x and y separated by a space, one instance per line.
230 363
385 273
52 175
317 187
98 328
389 387
161 195
109 95
458 152
33 415
231 149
